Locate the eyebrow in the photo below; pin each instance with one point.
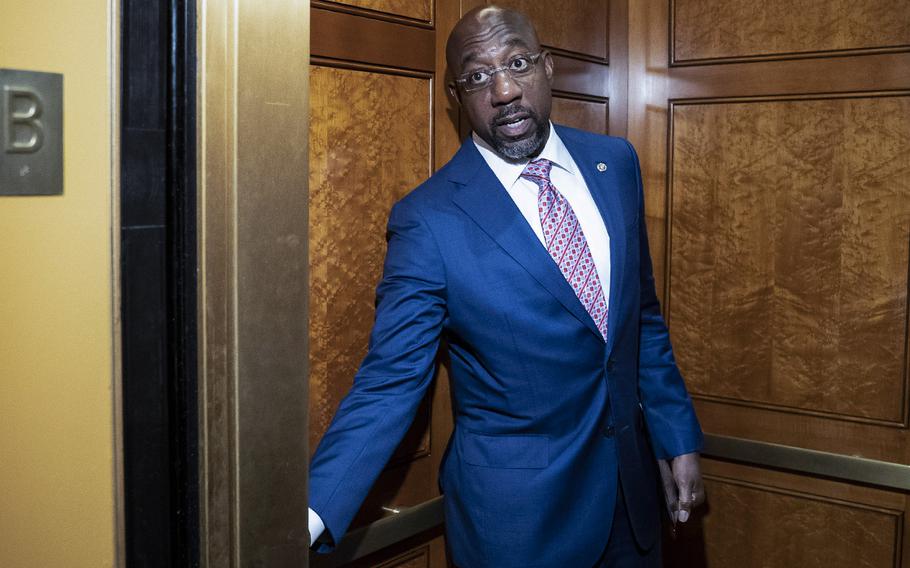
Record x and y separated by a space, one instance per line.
514 41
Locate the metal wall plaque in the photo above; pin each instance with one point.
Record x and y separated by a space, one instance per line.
31 133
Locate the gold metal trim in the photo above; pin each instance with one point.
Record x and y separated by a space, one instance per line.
252 140
801 460
384 532
114 84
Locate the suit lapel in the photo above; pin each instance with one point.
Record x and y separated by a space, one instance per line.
604 187
483 198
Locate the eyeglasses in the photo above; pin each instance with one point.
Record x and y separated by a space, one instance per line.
518 68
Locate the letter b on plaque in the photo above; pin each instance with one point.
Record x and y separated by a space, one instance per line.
24 131
31 133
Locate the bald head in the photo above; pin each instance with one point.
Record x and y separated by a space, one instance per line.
480 25
501 77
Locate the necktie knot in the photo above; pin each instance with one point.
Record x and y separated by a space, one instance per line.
538 171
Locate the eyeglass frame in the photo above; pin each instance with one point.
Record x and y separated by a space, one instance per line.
533 59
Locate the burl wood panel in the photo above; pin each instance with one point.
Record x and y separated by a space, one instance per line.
753 525
709 29
790 225
587 115
370 143
579 26
426 549
419 558
416 9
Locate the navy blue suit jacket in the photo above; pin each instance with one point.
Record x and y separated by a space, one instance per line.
548 416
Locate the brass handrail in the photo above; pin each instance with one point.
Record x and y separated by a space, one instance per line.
885 474
411 521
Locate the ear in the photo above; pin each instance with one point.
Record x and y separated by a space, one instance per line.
548 66
453 90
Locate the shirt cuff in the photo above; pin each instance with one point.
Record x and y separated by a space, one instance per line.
317 527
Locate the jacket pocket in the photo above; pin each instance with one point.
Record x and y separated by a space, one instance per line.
509 452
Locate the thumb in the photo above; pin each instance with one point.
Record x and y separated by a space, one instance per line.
685 503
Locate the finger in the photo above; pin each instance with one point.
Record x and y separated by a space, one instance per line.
684 509
685 494
692 493
666 476
670 491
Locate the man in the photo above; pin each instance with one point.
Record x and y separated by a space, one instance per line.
528 251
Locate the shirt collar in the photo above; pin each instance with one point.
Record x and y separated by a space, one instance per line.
509 172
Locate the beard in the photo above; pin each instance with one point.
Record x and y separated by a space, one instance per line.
522 148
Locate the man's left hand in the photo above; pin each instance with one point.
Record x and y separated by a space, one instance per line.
682 483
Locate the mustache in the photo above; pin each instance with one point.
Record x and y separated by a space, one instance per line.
511 112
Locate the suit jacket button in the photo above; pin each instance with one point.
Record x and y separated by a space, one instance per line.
610 365
608 431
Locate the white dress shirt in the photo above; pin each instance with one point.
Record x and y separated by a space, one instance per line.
567 178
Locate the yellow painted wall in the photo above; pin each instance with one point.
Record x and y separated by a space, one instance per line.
56 426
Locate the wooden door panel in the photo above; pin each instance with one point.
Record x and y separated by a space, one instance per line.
766 519
581 113
803 429
421 10
419 558
372 40
576 26
725 29
370 143
790 226
423 552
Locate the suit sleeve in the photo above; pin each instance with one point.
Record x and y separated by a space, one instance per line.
393 378
668 410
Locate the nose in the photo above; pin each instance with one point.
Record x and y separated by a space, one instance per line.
504 89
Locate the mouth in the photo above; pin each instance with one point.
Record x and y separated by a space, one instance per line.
515 126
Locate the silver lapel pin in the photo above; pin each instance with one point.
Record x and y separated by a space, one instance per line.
601 167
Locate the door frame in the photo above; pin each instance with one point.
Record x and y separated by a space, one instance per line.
154 236
252 101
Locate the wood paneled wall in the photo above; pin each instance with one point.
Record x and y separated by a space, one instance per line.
775 147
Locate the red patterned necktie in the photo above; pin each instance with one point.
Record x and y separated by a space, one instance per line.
566 243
